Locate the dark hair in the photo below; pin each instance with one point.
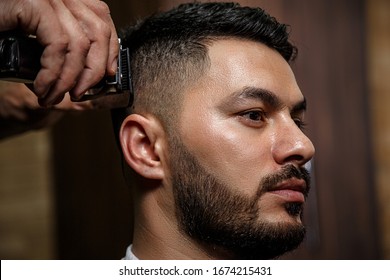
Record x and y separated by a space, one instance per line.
169 50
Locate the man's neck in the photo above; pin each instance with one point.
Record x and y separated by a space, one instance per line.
167 241
157 234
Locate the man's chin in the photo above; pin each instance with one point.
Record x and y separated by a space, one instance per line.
270 241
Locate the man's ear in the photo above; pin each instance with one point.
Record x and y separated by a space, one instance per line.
141 140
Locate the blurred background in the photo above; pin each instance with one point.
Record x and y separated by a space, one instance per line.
63 196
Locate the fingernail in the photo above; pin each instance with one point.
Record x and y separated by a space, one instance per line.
75 96
114 66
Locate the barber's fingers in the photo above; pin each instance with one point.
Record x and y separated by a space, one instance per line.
102 10
43 19
67 105
78 47
39 18
73 33
33 16
95 19
90 26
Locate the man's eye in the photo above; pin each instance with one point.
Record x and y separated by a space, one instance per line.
255 115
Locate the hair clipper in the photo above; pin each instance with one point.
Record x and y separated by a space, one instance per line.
20 62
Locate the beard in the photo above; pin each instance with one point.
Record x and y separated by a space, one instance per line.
217 217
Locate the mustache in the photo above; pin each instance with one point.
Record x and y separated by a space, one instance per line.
270 182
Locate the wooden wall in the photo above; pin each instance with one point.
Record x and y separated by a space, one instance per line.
378 42
27 229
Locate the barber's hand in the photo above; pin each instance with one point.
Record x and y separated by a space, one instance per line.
80 41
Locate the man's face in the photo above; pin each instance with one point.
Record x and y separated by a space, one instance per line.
237 160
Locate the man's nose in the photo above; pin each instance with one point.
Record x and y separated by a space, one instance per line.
291 145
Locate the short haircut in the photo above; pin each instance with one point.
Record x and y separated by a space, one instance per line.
169 51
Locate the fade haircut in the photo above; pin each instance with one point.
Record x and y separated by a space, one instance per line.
169 51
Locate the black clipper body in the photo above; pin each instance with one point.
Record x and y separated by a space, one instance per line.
20 62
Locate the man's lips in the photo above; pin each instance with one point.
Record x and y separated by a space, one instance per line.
291 190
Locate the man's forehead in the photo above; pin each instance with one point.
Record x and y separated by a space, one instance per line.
243 68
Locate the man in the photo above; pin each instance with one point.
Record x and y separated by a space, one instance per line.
214 136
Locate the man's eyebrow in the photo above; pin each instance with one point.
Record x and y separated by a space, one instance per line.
267 97
260 94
